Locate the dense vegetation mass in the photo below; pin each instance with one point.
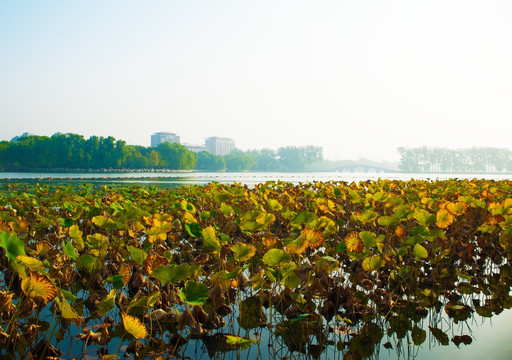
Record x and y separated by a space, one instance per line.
71 151
331 268
442 160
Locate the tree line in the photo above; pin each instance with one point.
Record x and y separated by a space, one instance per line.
72 151
443 160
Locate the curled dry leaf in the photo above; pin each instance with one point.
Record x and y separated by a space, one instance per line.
38 287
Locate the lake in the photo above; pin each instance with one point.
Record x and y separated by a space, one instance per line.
248 178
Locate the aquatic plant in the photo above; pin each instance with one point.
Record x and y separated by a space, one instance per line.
347 266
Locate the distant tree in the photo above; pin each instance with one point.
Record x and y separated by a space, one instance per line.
134 158
154 159
240 161
295 158
473 160
266 160
176 156
208 161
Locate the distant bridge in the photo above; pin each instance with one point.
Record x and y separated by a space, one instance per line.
364 168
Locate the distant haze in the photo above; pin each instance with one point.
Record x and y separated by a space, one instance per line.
358 78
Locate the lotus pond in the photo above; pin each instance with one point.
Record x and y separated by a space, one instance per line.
318 270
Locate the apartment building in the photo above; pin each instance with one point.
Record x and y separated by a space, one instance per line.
219 145
161 137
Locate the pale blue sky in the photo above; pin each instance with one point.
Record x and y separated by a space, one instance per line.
356 77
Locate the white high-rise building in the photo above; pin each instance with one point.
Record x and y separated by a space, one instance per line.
161 137
219 145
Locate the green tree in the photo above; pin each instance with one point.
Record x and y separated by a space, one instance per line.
208 161
295 158
176 156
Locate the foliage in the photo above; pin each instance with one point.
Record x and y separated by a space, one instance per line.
210 162
442 160
322 265
176 156
72 151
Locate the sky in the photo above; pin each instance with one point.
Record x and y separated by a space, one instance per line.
359 78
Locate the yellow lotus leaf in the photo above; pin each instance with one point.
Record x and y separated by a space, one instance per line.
21 226
153 261
38 287
353 242
457 208
313 237
134 326
269 241
43 247
126 271
399 230
507 204
444 218
298 246
494 219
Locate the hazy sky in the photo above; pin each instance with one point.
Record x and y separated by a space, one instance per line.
359 78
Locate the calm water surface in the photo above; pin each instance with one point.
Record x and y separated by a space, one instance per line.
249 178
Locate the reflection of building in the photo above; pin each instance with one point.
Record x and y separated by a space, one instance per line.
161 137
219 146
196 148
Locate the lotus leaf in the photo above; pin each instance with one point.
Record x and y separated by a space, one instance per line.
243 252
12 245
194 293
134 326
275 256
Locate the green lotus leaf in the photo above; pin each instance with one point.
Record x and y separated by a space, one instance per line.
69 250
380 196
144 302
367 216
104 222
304 217
76 234
369 238
67 311
31 263
274 205
98 242
243 252
194 293
290 279
275 256
173 273
107 303
424 218
116 280
420 252
12 245
252 226
88 262
373 263
420 231
211 241
388 221
137 255
266 219
226 209
66 222
194 229
239 342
